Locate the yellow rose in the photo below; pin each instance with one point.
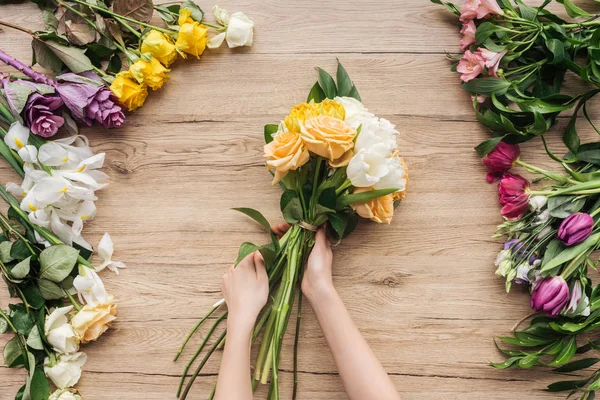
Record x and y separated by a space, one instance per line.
129 92
91 322
151 73
380 210
161 46
192 35
304 111
328 137
285 153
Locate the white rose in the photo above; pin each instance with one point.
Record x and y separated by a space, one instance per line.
64 394
59 331
356 113
240 30
536 203
221 15
377 131
66 371
368 166
90 287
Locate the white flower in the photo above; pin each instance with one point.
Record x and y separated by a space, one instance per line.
89 287
59 331
17 136
523 273
66 371
356 113
545 232
395 178
105 251
28 153
536 203
64 394
504 268
239 29
503 255
373 167
541 218
377 131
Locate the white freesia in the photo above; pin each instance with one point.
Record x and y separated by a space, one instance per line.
59 331
89 287
64 394
356 113
17 136
238 29
66 371
105 251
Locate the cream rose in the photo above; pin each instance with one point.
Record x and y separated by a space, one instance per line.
65 394
356 113
328 137
93 321
66 371
59 332
380 210
285 153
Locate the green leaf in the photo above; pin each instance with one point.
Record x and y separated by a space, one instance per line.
344 83
487 146
485 30
506 364
19 250
13 354
449 6
50 21
74 58
589 152
328 198
21 319
363 197
5 256
57 262
570 136
557 48
34 340
487 86
354 93
248 248
572 10
563 206
45 57
292 212
50 290
270 130
571 252
528 361
258 217
3 326
39 387
527 12
33 296
21 270
197 13
578 365
567 385
316 94
327 84
567 353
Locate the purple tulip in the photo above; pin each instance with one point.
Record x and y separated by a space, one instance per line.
575 228
550 295
42 114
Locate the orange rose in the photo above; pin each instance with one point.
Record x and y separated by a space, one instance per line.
380 210
286 153
328 137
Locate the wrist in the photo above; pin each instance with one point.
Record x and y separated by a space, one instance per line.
319 293
242 324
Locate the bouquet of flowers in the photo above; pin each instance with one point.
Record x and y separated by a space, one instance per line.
335 161
116 40
44 258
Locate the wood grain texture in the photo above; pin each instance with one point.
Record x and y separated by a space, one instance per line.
421 290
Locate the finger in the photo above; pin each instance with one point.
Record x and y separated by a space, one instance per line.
247 262
231 269
261 268
321 237
281 229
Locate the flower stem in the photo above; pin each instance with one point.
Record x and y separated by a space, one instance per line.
189 336
8 321
17 27
25 69
72 300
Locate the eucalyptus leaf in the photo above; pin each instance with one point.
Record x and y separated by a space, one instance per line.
57 262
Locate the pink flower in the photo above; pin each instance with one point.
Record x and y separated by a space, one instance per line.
468 32
469 10
500 160
488 7
470 66
513 195
492 59
575 229
550 295
480 98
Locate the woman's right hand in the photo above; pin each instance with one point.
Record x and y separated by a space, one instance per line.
318 279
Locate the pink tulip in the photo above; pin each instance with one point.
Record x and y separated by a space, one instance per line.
500 160
468 31
575 229
470 66
492 59
513 195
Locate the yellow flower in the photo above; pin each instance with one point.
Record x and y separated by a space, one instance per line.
192 35
161 46
93 321
285 153
151 73
129 92
380 210
304 111
328 137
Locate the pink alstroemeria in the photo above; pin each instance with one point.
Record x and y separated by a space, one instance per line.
470 66
468 11
492 59
468 31
477 9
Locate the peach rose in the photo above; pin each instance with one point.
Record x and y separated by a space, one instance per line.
285 153
380 210
328 137
93 321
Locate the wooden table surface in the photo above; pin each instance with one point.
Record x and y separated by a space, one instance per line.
422 290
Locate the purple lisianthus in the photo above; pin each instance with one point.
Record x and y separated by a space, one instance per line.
104 110
42 114
575 228
550 295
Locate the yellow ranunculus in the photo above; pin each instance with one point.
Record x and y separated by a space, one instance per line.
328 137
192 35
129 92
91 322
304 111
152 72
380 210
285 153
160 46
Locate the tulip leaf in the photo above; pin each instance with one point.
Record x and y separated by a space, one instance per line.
567 352
344 83
50 290
21 270
571 252
327 84
578 365
13 354
363 197
563 206
34 340
57 262
270 130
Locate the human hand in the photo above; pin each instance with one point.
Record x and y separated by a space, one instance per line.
246 290
317 279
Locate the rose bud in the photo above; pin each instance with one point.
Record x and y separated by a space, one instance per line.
550 295
513 195
575 228
500 160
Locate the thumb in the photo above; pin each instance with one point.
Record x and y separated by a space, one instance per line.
261 269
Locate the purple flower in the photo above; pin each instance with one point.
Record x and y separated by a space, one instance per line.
89 100
42 114
575 228
550 295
